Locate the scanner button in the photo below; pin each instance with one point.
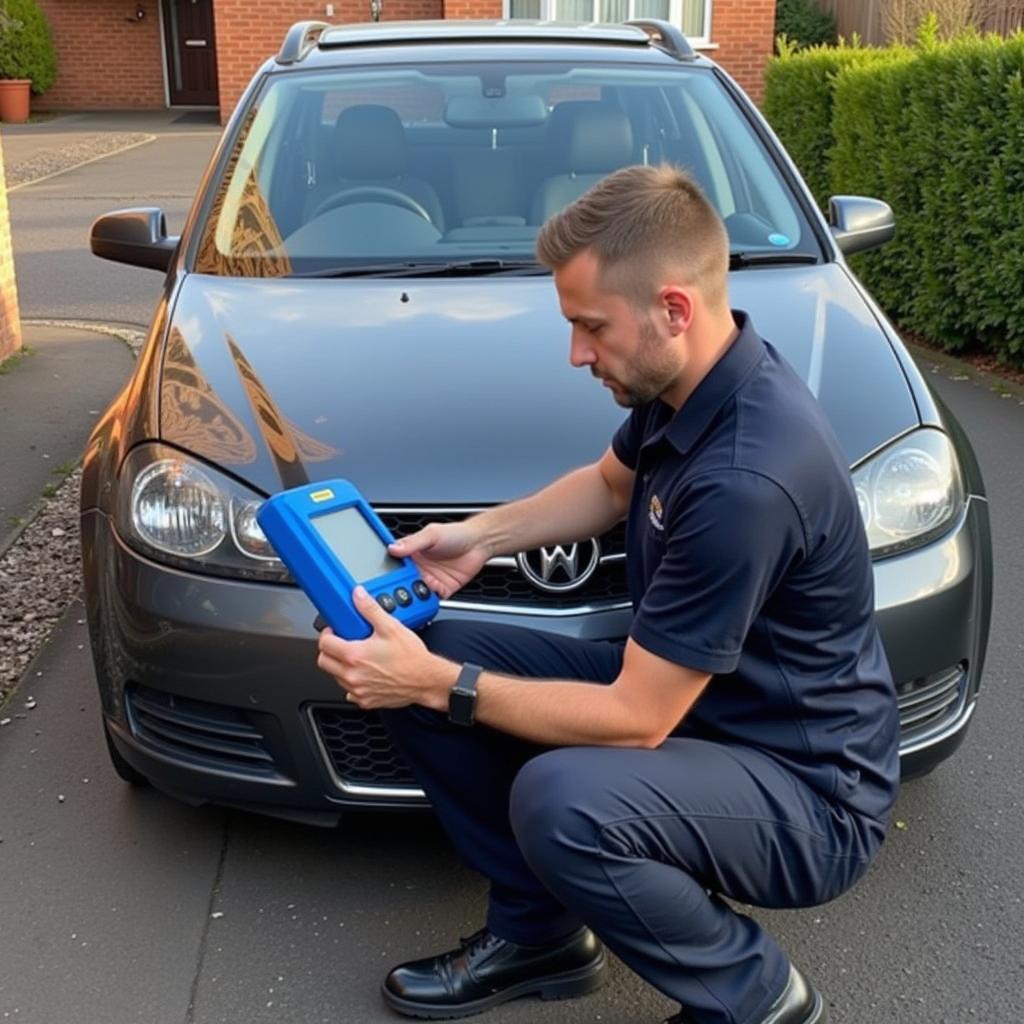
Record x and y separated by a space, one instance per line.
403 597
387 602
421 590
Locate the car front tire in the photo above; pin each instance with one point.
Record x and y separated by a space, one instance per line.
121 766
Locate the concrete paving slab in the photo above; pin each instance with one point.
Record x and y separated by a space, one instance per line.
169 165
35 150
172 120
313 920
49 400
105 893
50 229
51 243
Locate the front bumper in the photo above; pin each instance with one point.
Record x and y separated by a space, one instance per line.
210 689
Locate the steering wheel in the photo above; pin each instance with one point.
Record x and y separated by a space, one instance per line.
364 192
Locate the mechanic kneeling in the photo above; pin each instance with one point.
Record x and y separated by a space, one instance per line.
741 743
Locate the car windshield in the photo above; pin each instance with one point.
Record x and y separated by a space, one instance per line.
452 168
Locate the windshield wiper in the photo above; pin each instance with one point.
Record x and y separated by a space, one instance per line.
764 259
458 268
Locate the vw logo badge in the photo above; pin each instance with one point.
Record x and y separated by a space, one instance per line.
559 569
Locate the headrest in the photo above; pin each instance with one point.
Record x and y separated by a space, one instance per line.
369 142
598 137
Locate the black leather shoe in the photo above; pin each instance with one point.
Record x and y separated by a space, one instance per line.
485 971
800 1003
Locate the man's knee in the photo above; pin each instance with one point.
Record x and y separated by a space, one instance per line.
552 805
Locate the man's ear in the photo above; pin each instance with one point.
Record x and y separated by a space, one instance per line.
678 304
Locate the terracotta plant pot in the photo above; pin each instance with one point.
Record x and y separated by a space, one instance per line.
14 99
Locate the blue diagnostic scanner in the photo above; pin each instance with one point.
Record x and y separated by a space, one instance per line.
331 540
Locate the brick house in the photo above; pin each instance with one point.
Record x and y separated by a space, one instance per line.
201 53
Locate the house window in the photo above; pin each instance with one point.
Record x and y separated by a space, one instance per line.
694 16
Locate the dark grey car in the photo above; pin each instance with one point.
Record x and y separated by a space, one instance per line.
354 294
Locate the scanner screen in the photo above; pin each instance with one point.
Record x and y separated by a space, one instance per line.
356 544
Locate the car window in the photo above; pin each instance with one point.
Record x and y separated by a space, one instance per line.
365 168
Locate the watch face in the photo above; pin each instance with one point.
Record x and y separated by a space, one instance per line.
461 705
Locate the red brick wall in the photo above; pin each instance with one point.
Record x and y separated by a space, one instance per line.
103 59
10 322
744 31
249 31
472 8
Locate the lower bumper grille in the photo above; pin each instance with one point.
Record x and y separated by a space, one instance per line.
931 702
360 752
359 749
212 735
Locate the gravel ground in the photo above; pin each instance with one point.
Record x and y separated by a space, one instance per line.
63 158
40 573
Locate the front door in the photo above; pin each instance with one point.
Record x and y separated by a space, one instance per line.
191 52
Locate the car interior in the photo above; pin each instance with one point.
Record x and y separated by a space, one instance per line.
458 166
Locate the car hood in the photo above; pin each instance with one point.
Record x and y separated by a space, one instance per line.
460 390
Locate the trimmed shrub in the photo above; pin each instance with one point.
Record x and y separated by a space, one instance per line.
940 137
804 23
937 131
26 46
799 89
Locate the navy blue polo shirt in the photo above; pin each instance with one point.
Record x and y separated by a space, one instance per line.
747 558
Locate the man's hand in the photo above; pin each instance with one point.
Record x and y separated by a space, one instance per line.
448 555
392 668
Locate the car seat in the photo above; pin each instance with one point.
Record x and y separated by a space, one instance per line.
371 150
595 139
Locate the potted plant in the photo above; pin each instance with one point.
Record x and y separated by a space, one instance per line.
27 57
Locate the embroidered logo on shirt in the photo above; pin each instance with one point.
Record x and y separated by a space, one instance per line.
655 513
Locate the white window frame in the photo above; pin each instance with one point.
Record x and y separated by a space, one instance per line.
675 15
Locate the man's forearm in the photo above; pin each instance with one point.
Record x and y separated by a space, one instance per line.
556 713
574 507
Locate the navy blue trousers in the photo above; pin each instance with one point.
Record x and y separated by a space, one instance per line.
640 845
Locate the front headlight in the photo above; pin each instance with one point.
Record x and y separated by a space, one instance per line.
910 493
179 510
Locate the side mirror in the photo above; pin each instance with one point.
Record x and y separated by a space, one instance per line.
137 236
860 223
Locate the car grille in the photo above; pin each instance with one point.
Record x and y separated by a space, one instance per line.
501 582
212 735
930 702
359 748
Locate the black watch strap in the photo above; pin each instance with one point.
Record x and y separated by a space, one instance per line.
462 696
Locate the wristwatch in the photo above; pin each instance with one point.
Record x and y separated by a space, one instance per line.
462 696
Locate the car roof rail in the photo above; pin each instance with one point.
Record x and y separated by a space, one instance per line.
665 36
299 40
483 31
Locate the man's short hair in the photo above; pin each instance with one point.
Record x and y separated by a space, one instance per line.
640 222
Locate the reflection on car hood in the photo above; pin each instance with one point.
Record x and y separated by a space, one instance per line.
452 391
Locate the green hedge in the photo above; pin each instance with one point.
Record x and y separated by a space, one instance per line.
26 45
938 133
798 101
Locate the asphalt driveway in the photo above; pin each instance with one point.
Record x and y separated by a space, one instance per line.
57 275
123 906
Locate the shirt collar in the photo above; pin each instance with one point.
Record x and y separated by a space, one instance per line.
715 387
